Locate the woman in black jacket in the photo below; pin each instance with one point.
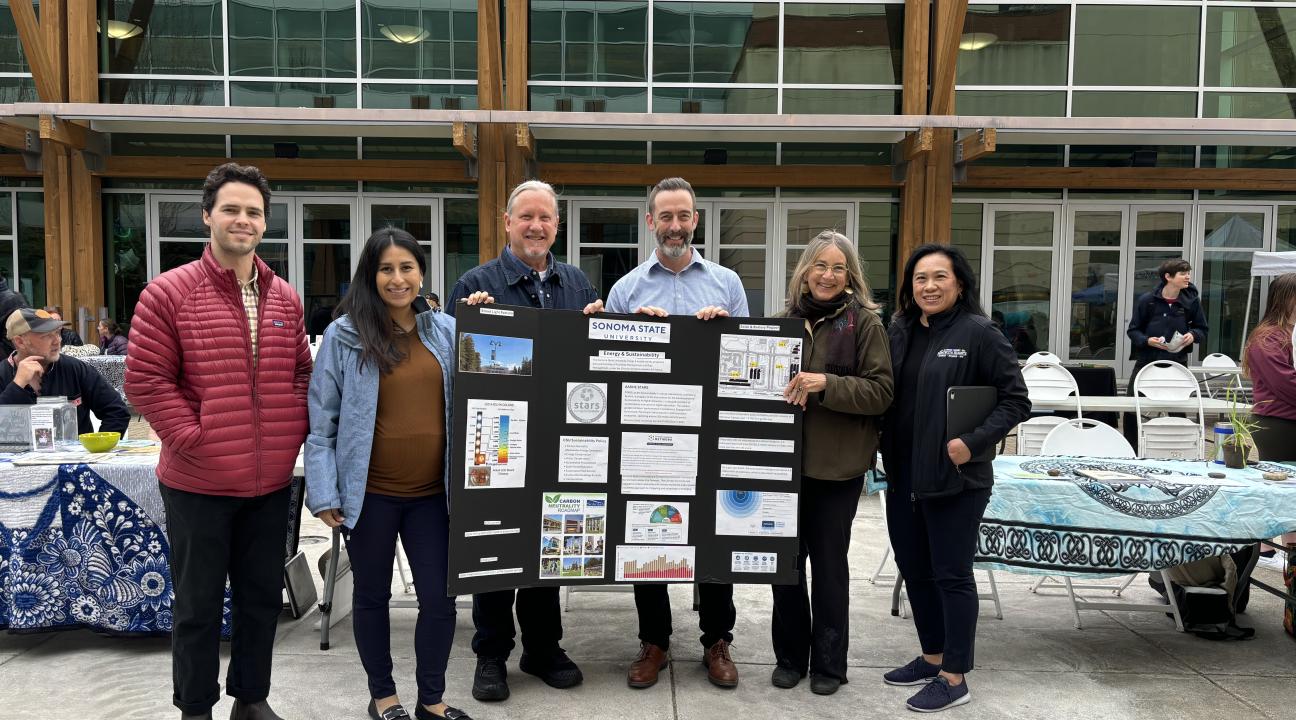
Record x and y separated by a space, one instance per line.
941 338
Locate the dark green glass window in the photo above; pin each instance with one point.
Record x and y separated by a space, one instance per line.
1136 45
841 102
125 251
304 147
409 149
1024 156
715 100
420 97
31 247
1014 45
695 153
17 89
162 91
425 39
589 99
285 94
1030 103
1132 156
842 43
602 151
1238 156
292 39
836 154
11 52
715 42
176 38
157 144
1133 104
589 41
1250 47
1281 106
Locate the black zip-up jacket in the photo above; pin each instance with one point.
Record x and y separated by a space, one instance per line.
79 383
1154 316
965 349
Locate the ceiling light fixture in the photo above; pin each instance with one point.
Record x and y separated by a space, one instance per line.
403 34
120 29
977 40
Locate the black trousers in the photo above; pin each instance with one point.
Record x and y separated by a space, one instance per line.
811 627
716 613
212 537
539 616
1275 438
423 526
934 542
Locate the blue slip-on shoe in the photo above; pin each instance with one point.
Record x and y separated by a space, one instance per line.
939 695
917 672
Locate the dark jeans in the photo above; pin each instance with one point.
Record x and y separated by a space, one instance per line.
811 629
212 537
424 530
539 615
716 613
934 542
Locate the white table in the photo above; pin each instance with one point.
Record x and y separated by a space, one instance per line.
1124 403
1212 371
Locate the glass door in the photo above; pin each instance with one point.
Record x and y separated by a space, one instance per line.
327 229
798 224
1022 275
1229 235
606 237
420 217
738 238
177 233
1160 233
1096 237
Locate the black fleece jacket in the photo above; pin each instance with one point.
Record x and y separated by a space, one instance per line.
1154 316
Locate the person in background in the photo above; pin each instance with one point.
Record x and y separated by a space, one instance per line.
67 336
845 385
9 301
111 340
941 338
433 301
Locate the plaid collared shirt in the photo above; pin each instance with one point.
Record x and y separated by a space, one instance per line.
250 299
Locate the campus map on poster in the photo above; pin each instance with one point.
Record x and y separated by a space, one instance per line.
606 449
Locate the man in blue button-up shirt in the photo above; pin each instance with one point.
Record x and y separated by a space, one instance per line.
677 280
524 274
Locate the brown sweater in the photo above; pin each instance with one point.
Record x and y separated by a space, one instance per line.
408 458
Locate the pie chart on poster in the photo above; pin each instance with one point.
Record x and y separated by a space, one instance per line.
666 514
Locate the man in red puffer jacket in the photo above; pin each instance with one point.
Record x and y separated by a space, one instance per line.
219 366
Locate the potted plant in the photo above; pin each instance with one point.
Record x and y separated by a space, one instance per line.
1237 447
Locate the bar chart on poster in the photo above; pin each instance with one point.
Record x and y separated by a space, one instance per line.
617 449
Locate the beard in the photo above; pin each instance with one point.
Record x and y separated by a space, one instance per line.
674 251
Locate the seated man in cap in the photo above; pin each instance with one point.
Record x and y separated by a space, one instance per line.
36 369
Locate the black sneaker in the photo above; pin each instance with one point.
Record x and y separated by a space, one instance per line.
917 672
785 677
940 695
557 670
490 681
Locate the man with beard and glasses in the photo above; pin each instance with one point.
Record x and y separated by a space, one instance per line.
525 274
677 280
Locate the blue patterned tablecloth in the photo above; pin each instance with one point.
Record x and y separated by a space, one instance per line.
1175 513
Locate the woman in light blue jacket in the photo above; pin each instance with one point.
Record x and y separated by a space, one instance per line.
377 462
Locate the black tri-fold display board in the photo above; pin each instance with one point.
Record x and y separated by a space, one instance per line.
590 450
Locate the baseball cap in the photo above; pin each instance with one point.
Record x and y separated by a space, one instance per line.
25 320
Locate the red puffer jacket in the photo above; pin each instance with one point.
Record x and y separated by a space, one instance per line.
226 428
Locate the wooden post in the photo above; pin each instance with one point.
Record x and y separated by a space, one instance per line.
917 32
491 163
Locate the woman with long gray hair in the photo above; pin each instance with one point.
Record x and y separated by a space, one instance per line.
845 385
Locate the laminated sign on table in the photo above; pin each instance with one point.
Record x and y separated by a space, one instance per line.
622 448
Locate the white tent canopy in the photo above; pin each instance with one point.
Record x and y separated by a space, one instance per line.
1266 264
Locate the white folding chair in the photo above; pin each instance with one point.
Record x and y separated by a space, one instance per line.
1222 362
1050 381
1082 437
1044 356
1218 360
1031 433
1169 437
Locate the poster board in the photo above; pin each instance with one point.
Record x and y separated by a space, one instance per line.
622 448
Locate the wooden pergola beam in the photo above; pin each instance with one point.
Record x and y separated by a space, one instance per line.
526 141
44 73
915 144
17 137
464 138
948 28
975 145
1129 178
72 135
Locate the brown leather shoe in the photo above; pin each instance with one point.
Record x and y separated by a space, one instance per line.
643 671
721 670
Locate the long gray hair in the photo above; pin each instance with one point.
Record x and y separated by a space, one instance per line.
855 281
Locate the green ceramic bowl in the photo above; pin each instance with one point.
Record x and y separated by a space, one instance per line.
98 442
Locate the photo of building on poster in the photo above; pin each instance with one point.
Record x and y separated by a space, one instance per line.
496 446
573 535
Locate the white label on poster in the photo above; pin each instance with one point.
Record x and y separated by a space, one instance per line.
757 417
582 459
485 573
629 330
657 522
660 404
758 328
757 368
656 563
587 403
757 514
573 535
756 472
491 559
757 445
497 311
630 361
753 562
486 533
659 454
660 485
496 444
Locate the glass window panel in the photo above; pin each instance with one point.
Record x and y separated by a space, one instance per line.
618 226
293 95
1133 104
835 154
802 224
1155 45
6 214
841 102
842 43
742 226
413 219
1095 294
292 39
326 275
589 40
732 153
1250 47
965 231
1132 156
298 146
1281 106
1146 264
461 233
1023 228
1234 230
1023 156
715 42
715 100
1286 228
409 149
604 266
601 151
174 254
163 91
168 145
175 37
1159 229
750 266
6 260
1030 103
181 220
326 221
1014 45
11 52
879 230
275 254
1097 228
31 247
1020 298
420 39
589 99
420 97
1238 156
1224 278
15 89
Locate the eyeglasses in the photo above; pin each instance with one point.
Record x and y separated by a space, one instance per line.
823 268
